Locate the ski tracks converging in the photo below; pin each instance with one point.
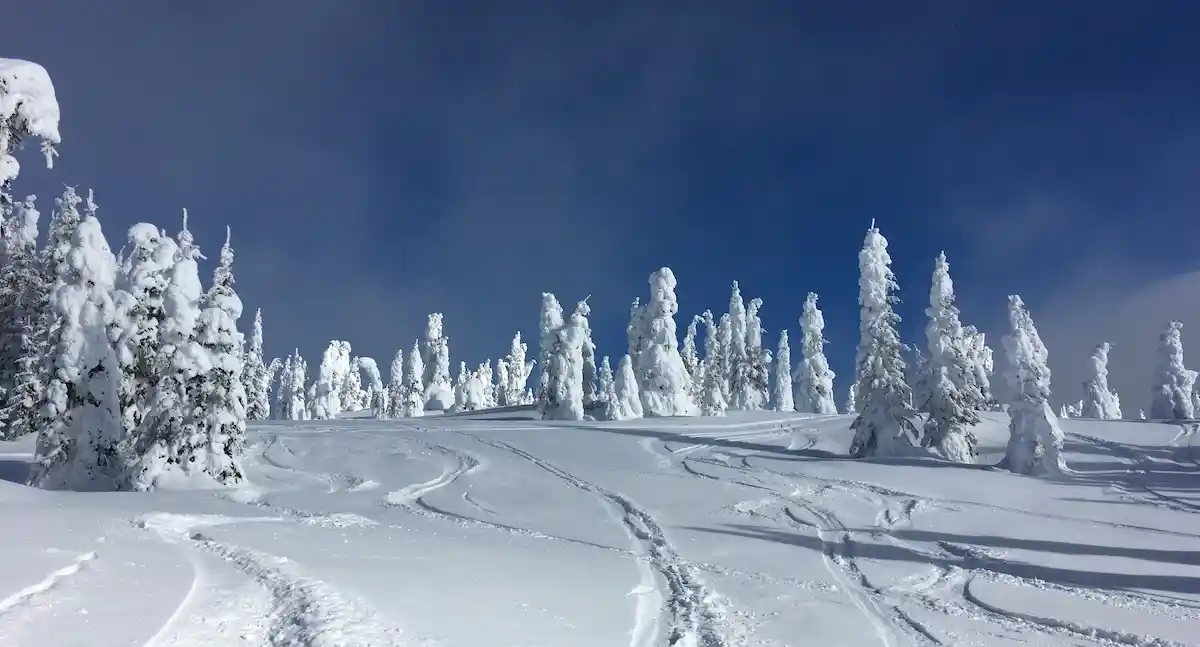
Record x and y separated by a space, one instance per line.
299 611
699 617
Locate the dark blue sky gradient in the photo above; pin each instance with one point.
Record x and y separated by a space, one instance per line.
380 160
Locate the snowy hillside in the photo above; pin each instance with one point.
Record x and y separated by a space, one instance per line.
496 529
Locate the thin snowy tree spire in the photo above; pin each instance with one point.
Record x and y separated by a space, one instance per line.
1172 393
1035 439
1099 401
944 390
813 379
884 424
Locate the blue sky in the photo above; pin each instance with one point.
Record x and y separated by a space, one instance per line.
380 160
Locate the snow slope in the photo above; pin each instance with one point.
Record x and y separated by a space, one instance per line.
497 529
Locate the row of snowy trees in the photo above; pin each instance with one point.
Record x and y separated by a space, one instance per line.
126 369
348 384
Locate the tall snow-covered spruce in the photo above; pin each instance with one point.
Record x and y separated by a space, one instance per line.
395 390
518 370
23 320
712 390
781 394
758 359
945 392
79 444
813 380
1035 440
142 283
414 388
562 364
1171 398
331 377
884 425
1099 401
256 377
663 380
439 394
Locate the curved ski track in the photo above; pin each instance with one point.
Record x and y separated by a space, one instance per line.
48 583
698 616
302 612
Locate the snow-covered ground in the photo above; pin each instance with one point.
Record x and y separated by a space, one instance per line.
497 529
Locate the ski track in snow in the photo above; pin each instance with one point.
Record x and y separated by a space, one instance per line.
938 588
698 616
1144 463
302 611
50 582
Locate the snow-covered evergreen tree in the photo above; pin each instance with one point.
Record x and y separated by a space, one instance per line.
758 359
439 394
1171 399
851 404
142 281
414 388
487 397
980 366
23 294
273 371
395 390
636 331
691 359
1035 439
550 322
739 364
627 404
351 393
1099 401
28 110
298 408
712 391
220 399
518 372
375 397
945 393
664 383
607 386
283 391
781 396
163 445
256 377
501 391
884 425
79 444
331 378
563 398
460 388
725 335
590 392
813 380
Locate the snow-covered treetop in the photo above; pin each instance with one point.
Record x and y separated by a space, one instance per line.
1029 372
28 108
876 281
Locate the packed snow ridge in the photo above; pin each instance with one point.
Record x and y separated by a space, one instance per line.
943 506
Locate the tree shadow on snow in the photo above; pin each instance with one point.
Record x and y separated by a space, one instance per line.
1062 576
671 437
